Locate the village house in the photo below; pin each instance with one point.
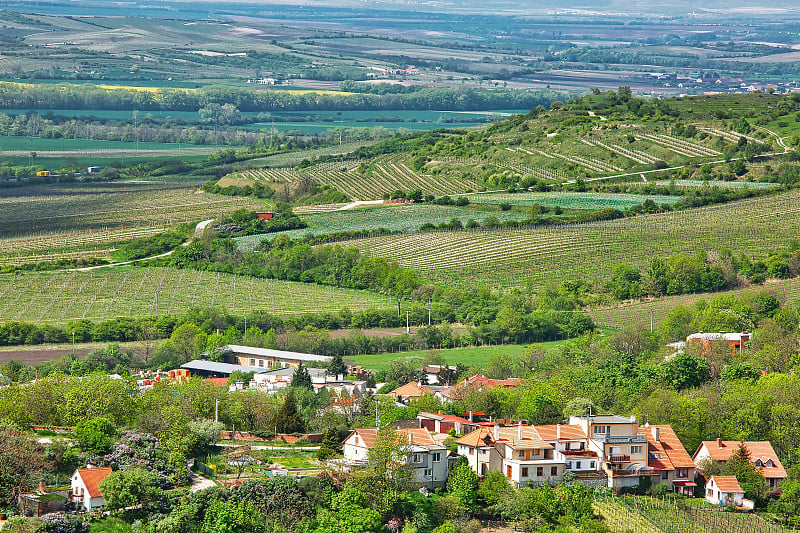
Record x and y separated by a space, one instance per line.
427 458
439 423
572 443
410 390
629 451
478 382
438 374
762 455
519 452
669 459
705 343
725 490
85 491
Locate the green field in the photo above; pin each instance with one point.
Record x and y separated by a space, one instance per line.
102 294
396 218
48 222
476 356
538 256
41 144
570 200
639 313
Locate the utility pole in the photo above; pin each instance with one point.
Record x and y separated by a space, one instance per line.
651 320
216 410
73 343
429 311
408 328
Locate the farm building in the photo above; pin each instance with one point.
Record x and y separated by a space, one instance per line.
213 369
43 174
705 342
267 215
725 490
253 358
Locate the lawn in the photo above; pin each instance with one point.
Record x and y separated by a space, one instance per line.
476 356
112 524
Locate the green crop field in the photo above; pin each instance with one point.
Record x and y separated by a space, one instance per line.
396 218
691 184
639 313
40 144
57 297
538 256
47 222
570 200
470 356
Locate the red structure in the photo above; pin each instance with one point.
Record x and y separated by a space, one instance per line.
265 216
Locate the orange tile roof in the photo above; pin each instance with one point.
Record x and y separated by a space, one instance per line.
508 435
347 401
727 483
568 432
723 450
419 436
217 382
673 454
412 390
92 477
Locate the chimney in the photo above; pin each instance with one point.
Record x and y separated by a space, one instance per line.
719 442
558 431
633 419
470 417
654 431
519 430
410 438
496 432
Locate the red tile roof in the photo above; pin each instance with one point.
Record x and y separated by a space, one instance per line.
412 390
721 451
509 434
92 477
419 436
217 382
673 454
347 401
568 432
727 484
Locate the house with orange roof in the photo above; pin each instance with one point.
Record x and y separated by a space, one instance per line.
519 452
669 459
410 390
427 458
478 382
441 423
629 452
725 490
85 490
572 443
762 455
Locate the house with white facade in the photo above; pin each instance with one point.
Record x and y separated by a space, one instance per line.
519 452
725 490
762 455
427 458
85 491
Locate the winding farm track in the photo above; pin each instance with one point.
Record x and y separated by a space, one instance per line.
198 232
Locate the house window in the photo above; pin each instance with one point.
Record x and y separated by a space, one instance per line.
602 429
636 448
524 471
682 472
522 454
472 451
553 470
437 456
539 471
508 472
252 362
591 465
429 472
569 465
261 363
577 465
665 474
417 458
709 492
356 439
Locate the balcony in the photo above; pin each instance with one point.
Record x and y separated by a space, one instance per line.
618 458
